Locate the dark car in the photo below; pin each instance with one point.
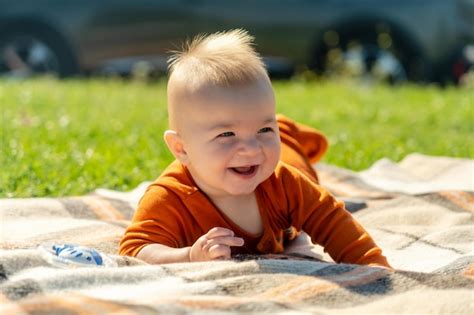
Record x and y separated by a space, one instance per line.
392 39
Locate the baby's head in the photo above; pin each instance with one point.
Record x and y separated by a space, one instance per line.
221 111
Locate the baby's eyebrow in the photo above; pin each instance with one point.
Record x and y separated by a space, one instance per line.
229 125
221 126
269 120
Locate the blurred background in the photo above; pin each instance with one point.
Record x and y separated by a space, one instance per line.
389 40
83 84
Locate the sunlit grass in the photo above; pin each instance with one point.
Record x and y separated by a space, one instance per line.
366 123
70 137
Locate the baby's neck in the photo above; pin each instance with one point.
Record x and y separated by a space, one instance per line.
231 201
243 211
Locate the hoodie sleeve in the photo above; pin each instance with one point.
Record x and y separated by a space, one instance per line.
314 210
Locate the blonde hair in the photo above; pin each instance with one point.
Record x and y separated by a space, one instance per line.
222 59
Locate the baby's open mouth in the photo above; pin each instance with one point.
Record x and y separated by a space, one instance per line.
245 170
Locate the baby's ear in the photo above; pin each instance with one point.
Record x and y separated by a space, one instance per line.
176 146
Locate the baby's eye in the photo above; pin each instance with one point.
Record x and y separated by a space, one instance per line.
226 134
265 129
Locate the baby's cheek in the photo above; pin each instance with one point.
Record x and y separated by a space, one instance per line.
273 146
221 150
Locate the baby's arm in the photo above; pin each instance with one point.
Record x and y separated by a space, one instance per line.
334 228
162 254
314 210
213 245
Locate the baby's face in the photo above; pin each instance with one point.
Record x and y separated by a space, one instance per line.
231 138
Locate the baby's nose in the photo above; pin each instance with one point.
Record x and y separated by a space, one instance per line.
250 147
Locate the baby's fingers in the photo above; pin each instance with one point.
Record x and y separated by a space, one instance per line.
219 232
225 240
219 252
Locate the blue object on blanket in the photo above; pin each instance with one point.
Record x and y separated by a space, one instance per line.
78 254
71 255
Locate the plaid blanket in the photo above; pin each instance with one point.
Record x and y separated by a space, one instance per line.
420 211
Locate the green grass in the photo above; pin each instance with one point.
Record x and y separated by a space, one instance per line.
70 137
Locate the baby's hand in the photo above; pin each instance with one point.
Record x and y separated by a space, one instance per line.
215 244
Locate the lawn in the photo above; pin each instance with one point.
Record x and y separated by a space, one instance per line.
69 137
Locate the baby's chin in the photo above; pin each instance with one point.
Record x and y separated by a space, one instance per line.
240 192
239 189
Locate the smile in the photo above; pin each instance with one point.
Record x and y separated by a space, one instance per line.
246 171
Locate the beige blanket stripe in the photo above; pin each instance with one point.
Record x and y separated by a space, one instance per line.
102 208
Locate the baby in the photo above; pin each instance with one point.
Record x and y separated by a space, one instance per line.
242 181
